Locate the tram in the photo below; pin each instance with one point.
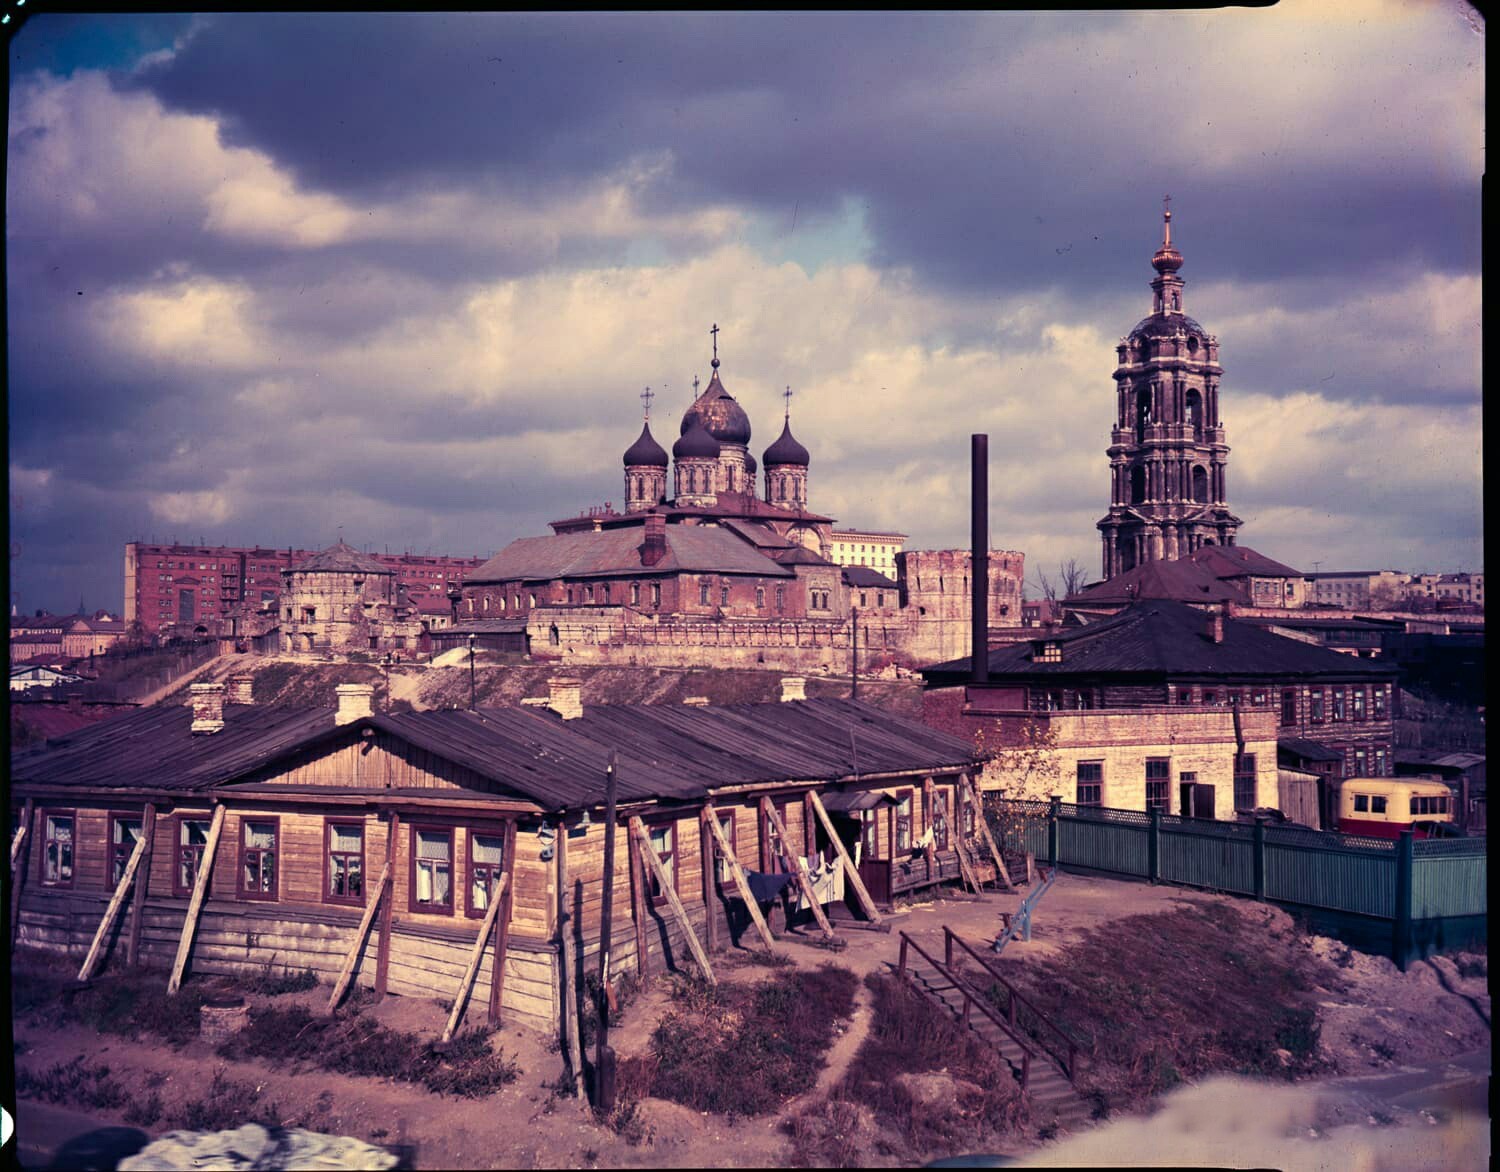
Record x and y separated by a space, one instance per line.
1382 807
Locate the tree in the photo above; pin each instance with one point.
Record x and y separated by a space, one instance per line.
1022 774
1071 578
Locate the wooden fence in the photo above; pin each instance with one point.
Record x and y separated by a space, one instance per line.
1429 894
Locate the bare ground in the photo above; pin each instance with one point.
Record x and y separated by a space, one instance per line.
1376 1019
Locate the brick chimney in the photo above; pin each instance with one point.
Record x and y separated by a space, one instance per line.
1216 627
355 701
696 701
654 547
565 697
241 690
75 701
208 708
793 688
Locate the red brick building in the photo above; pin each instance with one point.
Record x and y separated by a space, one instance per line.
193 589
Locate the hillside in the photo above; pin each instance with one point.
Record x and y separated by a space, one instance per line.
500 683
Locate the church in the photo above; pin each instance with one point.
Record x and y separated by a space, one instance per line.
1167 452
715 549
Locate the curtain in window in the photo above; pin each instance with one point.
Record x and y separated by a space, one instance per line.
433 873
346 838
487 858
260 835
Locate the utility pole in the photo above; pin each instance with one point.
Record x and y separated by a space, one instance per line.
604 1056
471 673
854 653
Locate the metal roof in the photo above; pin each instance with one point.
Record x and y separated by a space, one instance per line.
615 552
1308 750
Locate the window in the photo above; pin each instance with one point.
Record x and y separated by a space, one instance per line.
1378 705
780 598
635 594
1158 778
656 594
1377 804
192 839
1359 703
724 595
1090 783
344 865
1289 707
903 821
124 833
1361 804
1210 696
1340 704
663 841
939 815
1244 781
57 850
1258 698
1315 706
760 596
431 869
880 598
703 593
1184 695
1380 763
869 835
721 866
1234 697
258 842
1359 763
486 865
530 599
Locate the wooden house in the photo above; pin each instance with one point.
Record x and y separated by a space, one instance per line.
460 854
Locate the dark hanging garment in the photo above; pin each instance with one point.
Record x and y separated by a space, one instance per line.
766 887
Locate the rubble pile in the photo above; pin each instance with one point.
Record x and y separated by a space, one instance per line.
255 1147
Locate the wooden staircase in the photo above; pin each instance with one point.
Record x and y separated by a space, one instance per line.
1056 1105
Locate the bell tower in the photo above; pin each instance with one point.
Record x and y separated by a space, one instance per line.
1167 453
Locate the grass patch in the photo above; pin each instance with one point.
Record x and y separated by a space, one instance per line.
741 1050
1472 966
129 1004
227 1103
357 1045
1154 1000
933 1087
72 1082
276 985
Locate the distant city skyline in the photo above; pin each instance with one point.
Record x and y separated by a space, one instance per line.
272 274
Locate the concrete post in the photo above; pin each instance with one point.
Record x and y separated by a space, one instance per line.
1153 847
1259 848
1401 920
1053 814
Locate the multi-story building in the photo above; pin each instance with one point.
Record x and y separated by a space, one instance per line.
1462 587
867 547
191 589
1142 680
1167 452
1359 589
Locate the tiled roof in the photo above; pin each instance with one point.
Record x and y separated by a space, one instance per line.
614 552
1165 638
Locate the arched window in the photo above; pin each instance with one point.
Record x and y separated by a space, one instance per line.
1142 412
1176 300
1195 413
1200 484
1137 484
552 636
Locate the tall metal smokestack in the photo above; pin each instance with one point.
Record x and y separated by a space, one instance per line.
979 541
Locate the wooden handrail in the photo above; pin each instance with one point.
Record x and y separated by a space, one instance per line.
972 997
1070 1066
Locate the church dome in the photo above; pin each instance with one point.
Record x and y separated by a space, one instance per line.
1165 325
750 465
716 409
696 441
786 450
646 450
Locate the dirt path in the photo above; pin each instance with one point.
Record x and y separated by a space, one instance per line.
207 667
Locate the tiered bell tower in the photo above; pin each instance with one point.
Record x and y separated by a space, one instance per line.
1167 453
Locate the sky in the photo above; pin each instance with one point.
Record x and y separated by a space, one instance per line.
403 277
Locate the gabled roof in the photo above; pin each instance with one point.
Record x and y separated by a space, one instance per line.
868 578
1164 638
615 552
1308 750
666 752
1235 561
1183 580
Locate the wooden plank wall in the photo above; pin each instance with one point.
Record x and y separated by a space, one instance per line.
381 761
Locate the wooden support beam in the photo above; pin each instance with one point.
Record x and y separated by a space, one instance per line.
638 906
142 888
116 902
664 881
497 900
799 868
710 887
860 891
502 930
15 843
930 850
972 793
737 872
20 854
383 949
346 973
566 953
965 867
195 905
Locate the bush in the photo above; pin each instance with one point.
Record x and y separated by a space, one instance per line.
228 1103
287 982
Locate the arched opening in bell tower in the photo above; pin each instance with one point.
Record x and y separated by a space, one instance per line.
1200 484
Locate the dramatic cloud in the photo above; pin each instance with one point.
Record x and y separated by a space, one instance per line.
407 274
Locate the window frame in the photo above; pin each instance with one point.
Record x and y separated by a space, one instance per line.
1163 800
907 797
654 893
1317 706
942 803
329 824
1288 708
241 891
729 824
1244 775
470 867
413 904
118 860
72 816
1095 783
1377 702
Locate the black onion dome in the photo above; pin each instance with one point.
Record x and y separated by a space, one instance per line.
695 442
786 450
725 419
1165 325
750 465
646 450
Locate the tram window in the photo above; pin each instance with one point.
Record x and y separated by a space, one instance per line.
1361 804
1377 805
